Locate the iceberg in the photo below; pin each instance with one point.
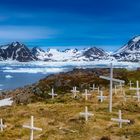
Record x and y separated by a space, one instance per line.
8 76
6 102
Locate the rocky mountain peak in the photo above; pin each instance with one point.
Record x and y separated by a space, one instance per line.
16 51
130 51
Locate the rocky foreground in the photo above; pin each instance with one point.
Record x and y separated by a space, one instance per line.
59 118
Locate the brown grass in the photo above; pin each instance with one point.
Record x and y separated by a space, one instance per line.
60 119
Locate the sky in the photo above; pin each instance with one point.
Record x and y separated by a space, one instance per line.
108 24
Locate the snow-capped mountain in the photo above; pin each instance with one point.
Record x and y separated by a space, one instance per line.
20 52
39 53
130 51
16 51
57 55
95 53
89 54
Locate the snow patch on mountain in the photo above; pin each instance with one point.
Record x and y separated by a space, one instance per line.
16 51
89 54
19 52
130 51
136 39
39 53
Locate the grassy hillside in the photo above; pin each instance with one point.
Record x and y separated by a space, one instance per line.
59 118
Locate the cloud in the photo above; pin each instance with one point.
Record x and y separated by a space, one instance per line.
25 32
69 23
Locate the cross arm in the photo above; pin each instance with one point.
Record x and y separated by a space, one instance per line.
82 113
90 114
32 128
120 120
134 88
101 96
26 126
113 119
75 91
127 121
113 79
52 93
2 125
35 128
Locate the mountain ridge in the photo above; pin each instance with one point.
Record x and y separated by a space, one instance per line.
17 51
130 51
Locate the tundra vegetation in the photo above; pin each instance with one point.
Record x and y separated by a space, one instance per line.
59 117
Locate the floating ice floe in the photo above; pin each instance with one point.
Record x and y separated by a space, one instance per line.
56 67
8 76
34 70
6 102
6 68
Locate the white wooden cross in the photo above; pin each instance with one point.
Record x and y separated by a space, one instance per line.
101 97
94 88
2 126
86 114
52 94
137 88
138 97
137 91
86 94
130 83
74 91
120 120
124 96
32 128
119 86
115 89
111 79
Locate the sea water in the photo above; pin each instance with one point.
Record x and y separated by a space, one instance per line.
19 74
